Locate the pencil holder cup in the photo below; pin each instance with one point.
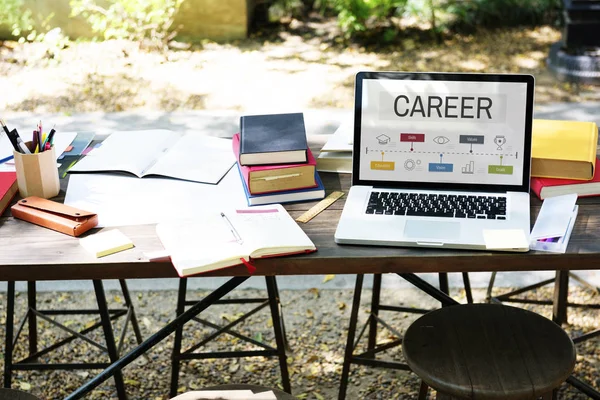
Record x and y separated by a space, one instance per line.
37 174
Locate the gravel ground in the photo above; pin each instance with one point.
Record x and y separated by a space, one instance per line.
316 322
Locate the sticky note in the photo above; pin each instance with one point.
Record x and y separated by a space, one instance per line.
505 239
106 242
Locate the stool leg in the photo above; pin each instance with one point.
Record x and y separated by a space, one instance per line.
31 317
129 304
350 340
550 395
8 340
111 346
177 340
423 391
375 300
279 329
561 294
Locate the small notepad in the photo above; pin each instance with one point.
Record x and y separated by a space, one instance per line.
106 242
505 239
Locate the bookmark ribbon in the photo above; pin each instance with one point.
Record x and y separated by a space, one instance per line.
251 268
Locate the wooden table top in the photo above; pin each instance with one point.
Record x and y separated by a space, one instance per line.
30 252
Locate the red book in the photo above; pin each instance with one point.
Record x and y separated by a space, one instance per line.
8 189
550 187
277 177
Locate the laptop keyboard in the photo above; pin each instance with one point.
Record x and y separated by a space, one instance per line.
437 205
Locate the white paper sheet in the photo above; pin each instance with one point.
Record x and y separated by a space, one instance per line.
62 140
119 199
215 394
196 157
554 216
225 394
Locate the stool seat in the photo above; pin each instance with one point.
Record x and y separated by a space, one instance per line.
489 351
280 395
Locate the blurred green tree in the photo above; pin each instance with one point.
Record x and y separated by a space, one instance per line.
147 22
15 16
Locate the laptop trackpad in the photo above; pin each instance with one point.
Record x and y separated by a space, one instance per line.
438 230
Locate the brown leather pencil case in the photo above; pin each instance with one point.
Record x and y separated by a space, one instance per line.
55 216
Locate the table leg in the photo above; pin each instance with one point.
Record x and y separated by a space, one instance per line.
279 332
375 300
32 317
175 355
350 339
158 337
8 344
584 388
561 294
444 284
111 346
429 289
130 308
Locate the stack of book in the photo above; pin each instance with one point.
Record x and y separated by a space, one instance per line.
563 158
336 154
274 160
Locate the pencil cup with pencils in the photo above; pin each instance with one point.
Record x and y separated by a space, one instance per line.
37 173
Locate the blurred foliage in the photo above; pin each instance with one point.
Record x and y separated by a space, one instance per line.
470 14
357 18
15 16
147 22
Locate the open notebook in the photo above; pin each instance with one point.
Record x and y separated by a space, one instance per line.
160 152
223 238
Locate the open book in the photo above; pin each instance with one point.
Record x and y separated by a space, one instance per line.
223 238
161 152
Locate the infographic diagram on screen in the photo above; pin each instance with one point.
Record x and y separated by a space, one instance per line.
436 131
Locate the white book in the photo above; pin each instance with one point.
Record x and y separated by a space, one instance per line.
342 139
224 238
336 161
161 152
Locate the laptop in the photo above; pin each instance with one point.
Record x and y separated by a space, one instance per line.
440 160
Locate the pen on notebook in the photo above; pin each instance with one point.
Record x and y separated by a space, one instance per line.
238 238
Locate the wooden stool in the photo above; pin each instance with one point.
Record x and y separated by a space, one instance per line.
280 395
488 352
12 394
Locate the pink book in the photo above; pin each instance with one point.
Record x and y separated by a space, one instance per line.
276 177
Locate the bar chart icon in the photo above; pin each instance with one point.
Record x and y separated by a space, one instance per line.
469 168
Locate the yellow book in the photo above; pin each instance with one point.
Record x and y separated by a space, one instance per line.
563 149
106 242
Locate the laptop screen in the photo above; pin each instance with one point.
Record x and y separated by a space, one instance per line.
438 130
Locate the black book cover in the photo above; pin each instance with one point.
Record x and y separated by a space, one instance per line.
273 133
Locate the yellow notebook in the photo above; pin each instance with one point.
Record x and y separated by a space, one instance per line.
106 242
563 149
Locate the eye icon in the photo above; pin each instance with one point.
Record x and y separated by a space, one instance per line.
441 140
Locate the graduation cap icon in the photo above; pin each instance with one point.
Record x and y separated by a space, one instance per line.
383 139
